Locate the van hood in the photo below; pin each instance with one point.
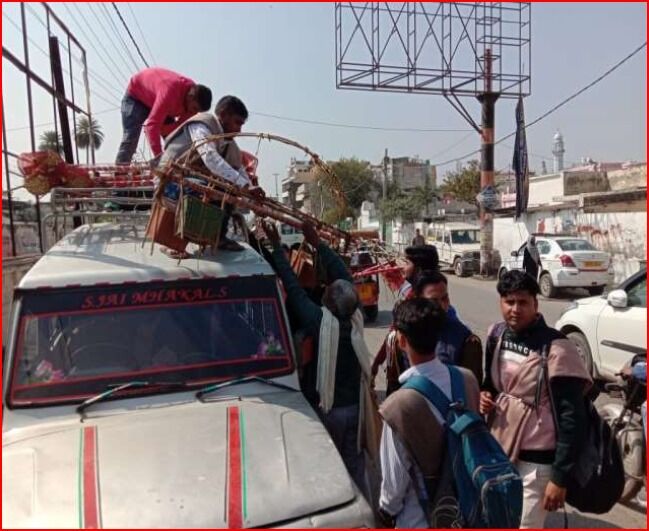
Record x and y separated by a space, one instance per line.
237 463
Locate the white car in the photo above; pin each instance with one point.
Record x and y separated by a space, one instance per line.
609 331
566 262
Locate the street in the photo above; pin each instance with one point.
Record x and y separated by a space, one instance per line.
476 302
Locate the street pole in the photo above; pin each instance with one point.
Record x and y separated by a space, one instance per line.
488 101
384 183
276 188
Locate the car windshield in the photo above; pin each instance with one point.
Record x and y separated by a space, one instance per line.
576 245
465 236
74 343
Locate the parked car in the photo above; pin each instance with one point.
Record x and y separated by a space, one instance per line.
609 331
458 246
566 262
145 392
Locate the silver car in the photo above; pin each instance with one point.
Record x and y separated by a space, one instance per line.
145 392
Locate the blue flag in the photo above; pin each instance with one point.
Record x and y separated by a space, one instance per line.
520 162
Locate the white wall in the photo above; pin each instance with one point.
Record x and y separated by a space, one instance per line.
544 187
623 234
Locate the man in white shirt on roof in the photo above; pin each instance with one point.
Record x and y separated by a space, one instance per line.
221 157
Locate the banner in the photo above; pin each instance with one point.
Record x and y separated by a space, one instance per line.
520 162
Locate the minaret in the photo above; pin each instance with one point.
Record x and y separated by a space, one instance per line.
558 150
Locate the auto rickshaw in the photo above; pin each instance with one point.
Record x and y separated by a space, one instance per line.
367 286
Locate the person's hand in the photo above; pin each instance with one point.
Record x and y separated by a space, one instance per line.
271 232
257 191
486 402
555 497
310 234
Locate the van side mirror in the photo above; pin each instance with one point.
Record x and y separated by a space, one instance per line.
514 254
617 298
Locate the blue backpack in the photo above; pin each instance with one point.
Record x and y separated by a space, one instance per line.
487 487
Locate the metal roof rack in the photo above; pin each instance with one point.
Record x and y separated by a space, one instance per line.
71 207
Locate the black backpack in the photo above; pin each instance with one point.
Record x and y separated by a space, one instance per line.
596 482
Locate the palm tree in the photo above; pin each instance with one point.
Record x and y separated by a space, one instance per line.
89 135
51 141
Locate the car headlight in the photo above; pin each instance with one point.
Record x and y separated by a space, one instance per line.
570 306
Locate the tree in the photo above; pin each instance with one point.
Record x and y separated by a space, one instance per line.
50 141
89 135
357 181
400 206
423 196
408 207
463 184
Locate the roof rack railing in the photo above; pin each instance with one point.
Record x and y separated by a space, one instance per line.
116 204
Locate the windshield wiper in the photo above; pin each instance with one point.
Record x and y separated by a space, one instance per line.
116 388
215 387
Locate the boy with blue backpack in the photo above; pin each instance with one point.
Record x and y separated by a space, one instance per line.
440 466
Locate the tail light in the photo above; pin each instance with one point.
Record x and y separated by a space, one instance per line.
566 261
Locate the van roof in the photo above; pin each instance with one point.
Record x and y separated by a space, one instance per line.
455 225
108 253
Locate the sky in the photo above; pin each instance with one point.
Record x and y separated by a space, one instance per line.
280 60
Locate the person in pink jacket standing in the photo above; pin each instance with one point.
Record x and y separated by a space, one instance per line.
158 100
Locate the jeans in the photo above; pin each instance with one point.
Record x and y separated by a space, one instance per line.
535 478
342 425
134 114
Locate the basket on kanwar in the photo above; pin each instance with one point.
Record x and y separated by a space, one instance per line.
194 195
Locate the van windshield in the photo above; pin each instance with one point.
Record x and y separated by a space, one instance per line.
287 229
465 236
74 343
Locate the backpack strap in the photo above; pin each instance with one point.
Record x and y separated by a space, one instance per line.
457 385
430 391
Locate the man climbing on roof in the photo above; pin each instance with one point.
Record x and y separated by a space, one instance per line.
158 100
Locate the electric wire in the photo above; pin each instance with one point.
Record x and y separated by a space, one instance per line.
130 34
106 12
555 107
146 44
357 126
113 69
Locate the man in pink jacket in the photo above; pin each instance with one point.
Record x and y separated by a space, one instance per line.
160 100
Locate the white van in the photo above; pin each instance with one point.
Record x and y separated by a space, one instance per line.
458 246
289 235
143 391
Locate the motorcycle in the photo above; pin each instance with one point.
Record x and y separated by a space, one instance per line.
625 420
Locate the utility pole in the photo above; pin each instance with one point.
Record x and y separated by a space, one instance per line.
488 101
384 183
276 175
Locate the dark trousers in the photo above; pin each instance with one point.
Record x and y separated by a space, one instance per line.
134 114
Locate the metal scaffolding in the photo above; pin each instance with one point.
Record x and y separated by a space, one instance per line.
433 48
66 107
